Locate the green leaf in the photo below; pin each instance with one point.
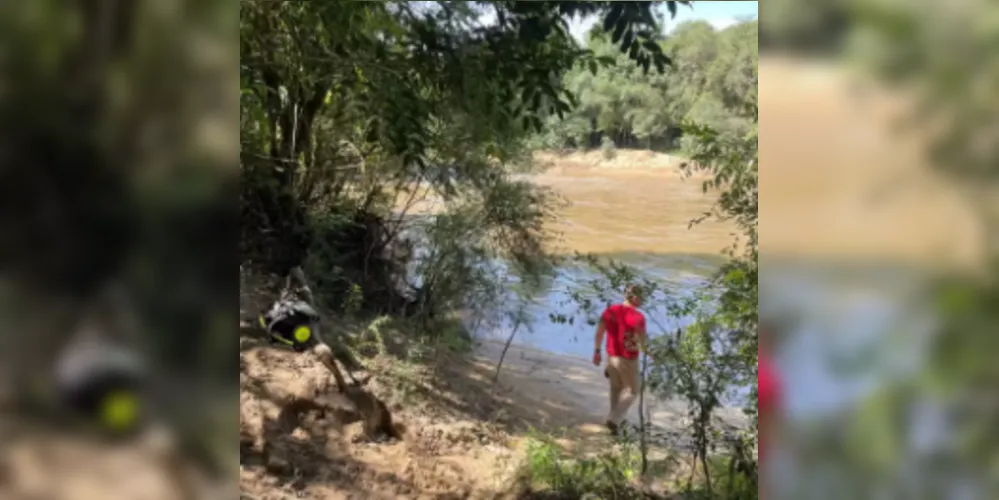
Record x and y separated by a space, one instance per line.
536 124
735 275
618 32
629 39
573 101
613 17
606 61
661 61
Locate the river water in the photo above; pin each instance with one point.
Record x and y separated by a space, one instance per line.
638 217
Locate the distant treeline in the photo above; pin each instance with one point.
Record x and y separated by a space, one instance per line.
712 82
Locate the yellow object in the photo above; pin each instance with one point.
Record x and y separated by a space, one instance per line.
263 324
302 334
119 410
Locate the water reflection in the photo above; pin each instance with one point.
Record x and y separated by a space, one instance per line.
852 331
854 360
680 275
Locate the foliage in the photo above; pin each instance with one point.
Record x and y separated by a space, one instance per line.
617 473
701 364
818 29
353 114
943 64
732 483
610 474
105 132
733 166
710 82
608 148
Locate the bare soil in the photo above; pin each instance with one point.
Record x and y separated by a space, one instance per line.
457 440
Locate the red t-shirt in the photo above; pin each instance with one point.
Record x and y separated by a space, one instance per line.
770 396
623 322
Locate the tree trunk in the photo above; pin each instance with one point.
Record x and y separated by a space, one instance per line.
284 235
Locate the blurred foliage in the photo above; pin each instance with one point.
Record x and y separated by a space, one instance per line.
116 168
818 28
118 171
930 434
947 63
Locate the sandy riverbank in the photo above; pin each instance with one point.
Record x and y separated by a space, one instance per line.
576 391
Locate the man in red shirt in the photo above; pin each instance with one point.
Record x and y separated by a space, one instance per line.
624 326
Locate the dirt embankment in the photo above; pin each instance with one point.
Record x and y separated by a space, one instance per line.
451 448
457 441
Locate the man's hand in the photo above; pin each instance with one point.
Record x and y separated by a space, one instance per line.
596 357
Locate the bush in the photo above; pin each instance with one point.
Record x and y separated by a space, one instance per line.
607 148
346 273
608 475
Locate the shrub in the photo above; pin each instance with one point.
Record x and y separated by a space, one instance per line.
607 148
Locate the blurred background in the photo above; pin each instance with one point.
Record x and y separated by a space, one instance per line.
879 126
118 167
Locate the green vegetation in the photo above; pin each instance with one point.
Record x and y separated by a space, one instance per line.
347 109
712 82
607 475
353 113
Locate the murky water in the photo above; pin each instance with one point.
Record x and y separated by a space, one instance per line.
635 212
639 217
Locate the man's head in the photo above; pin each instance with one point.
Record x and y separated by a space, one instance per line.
633 295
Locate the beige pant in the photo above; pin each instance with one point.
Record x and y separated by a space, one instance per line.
623 375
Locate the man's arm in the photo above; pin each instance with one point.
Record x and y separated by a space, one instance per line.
598 340
642 338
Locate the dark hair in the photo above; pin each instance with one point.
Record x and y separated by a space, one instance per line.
632 292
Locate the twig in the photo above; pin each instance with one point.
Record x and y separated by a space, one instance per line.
506 347
641 416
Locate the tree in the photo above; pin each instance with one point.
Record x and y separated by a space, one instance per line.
711 81
347 109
